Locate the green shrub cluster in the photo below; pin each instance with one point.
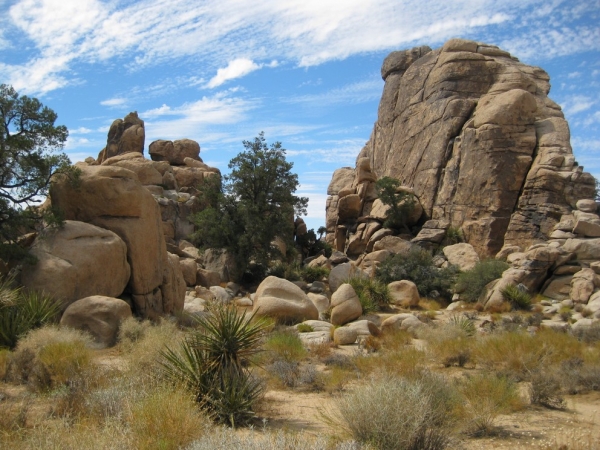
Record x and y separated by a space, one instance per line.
22 311
417 266
471 283
295 272
516 297
372 293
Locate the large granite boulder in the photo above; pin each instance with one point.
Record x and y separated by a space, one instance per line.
345 305
174 152
112 197
283 301
98 315
473 132
124 136
77 260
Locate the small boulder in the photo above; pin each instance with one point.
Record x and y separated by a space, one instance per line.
283 301
364 328
462 255
404 293
189 270
221 294
100 316
345 305
320 301
345 336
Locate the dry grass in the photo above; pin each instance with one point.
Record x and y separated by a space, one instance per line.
407 362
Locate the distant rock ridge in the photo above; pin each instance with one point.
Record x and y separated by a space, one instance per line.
472 132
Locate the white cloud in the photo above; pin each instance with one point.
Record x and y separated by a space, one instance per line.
114 102
574 75
342 152
80 130
305 32
235 69
359 92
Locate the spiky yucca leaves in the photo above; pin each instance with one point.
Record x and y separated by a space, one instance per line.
517 298
372 293
22 311
464 324
212 364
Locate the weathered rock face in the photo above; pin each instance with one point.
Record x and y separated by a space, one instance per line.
124 136
111 197
473 132
76 261
284 301
174 152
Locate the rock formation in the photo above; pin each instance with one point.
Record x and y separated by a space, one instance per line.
473 132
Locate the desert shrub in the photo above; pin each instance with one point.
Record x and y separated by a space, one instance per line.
545 389
49 357
290 272
13 417
417 266
223 438
304 328
449 344
516 297
212 362
486 397
580 375
4 358
310 274
131 331
373 294
165 419
588 334
471 283
407 362
454 235
285 345
285 372
403 414
21 311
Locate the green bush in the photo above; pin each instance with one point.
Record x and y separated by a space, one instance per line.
417 266
516 297
373 294
290 272
285 345
212 363
22 311
471 283
310 274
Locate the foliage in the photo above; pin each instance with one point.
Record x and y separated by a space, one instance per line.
310 274
212 363
417 266
310 245
454 235
516 297
285 345
403 414
372 293
254 204
401 204
22 311
304 328
471 283
487 396
290 272
29 156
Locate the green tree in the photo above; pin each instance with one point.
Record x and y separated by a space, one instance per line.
29 156
254 204
321 231
401 203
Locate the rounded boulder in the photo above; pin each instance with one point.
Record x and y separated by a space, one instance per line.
345 305
283 301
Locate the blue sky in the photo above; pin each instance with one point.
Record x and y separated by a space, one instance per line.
306 72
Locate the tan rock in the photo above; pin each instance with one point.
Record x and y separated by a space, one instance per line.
345 305
173 286
320 301
349 207
404 293
207 278
462 255
582 285
394 322
124 136
143 168
587 205
189 268
344 336
585 228
393 244
98 315
77 260
174 152
283 301
364 328
112 198
341 178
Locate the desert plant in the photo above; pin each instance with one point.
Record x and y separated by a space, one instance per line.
211 362
310 274
471 283
400 203
22 311
373 294
454 235
304 328
285 345
464 324
486 397
518 298
545 389
290 272
417 266
403 414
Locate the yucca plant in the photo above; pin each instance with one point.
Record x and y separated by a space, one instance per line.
517 298
212 363
464 324
22 311
372 293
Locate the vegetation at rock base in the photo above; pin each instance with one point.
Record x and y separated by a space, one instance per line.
30 155
255 203
516 297
400 203
22 311
212 362
417 266
372 293
471 283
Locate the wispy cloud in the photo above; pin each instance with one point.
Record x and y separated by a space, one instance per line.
359 92
342 152
113 102
576 104
215 32
237 68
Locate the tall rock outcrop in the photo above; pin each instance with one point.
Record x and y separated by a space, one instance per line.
473 132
